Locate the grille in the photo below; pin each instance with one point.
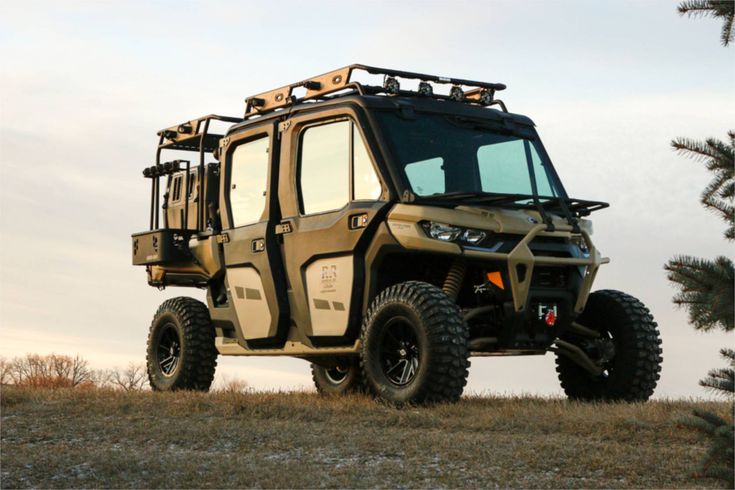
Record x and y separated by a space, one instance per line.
550 277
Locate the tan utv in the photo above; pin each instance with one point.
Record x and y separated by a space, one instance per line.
385 235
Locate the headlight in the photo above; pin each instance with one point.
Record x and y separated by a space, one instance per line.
473 236
578 240
440 231
451 233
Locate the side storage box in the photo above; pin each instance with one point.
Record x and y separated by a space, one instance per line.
160 247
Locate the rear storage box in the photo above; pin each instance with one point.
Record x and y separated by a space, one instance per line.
160 246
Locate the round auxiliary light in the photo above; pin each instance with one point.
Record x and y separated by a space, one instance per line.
456 93
391 85
486 97
147 172
426 89
168 166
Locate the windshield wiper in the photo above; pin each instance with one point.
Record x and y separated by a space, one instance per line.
450 196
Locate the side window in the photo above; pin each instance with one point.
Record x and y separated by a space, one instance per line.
327 151
366 184
427 176
324 171
193 184
249 181
176 193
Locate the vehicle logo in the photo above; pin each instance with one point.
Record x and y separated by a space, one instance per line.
532 220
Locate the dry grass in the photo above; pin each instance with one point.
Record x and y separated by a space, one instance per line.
100 438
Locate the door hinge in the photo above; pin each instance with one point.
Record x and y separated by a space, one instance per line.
283 228
223 238
283 126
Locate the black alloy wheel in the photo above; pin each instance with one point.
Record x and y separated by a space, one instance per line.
414 346
169 349
181 351
399 351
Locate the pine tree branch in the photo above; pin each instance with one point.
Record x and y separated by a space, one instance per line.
729 355
694 8
719 158
724 9
706 289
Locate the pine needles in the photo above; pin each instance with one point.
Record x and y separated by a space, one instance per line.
705 290
719 158
724 9
707 287
718 461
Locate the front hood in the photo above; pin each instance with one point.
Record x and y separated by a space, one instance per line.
498 220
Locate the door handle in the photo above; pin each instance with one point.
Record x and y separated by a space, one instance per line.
257 245
358 221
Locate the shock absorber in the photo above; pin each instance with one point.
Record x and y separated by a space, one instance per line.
454 279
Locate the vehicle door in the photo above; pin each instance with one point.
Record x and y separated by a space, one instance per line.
332 201
254 279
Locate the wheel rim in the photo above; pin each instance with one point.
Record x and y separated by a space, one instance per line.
399 351
336 375
169 350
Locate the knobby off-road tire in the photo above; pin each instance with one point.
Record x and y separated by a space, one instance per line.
181 330
420 322
343 379
634 370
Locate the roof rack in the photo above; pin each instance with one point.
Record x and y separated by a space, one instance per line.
482 93
193 135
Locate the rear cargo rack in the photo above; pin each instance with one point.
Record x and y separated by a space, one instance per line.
319 87
192 135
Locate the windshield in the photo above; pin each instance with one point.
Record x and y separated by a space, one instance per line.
445 156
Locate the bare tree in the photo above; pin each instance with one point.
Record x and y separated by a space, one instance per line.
132 378
51 371
233 385
5 368
79 372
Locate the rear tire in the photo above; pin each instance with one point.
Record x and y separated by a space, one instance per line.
181 351
341 379
633 364
414 345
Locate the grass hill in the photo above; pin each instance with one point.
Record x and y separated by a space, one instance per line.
103 438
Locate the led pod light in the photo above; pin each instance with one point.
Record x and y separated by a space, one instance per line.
451 233
579 242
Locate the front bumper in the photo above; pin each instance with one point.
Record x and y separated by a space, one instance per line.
404 222
522 260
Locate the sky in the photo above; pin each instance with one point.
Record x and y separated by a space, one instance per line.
84 86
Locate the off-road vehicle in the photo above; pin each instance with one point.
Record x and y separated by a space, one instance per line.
384 232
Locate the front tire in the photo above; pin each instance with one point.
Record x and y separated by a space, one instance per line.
181 353
629 350
414 345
